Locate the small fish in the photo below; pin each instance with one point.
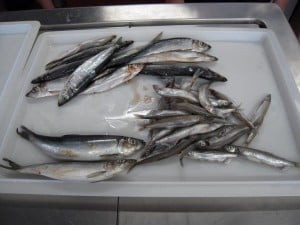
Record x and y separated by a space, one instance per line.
188 131
175 121
182 70
156 114
75 171
175 93
258 117
175 57
175 44
83 147
263 157
80 47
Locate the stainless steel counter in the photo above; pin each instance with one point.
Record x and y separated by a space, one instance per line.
254 14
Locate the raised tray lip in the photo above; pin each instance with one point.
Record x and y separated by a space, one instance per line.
175 189
24 52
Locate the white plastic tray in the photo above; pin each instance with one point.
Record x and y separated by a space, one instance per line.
16 40
252 61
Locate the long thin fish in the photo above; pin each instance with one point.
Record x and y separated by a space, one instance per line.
258 117
191 108
175 121
156 114
175 57
263 157
83 147
175 44
182 70
75 171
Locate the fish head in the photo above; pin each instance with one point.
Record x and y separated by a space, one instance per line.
36 91
215 76
201 46
128 145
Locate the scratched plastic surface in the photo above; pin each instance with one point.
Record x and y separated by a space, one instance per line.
249 58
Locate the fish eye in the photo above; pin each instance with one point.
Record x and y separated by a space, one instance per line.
131 141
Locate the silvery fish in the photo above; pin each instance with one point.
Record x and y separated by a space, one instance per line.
83 147
263 157
258 117
182 70
75 171
175 44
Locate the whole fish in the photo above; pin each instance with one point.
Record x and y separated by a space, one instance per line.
175 93
175 57
84 74
80 47
175 44
156 114
188 131
175 121
75 171
83 147
263 157
258 117
182 70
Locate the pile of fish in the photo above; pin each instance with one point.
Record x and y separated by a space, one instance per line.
193 121
80 157
99 65
201 123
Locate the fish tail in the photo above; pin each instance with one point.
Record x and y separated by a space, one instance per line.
25 133
297 164
12 165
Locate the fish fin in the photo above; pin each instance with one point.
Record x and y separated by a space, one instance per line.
12 165
95 174
24 132
156 38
